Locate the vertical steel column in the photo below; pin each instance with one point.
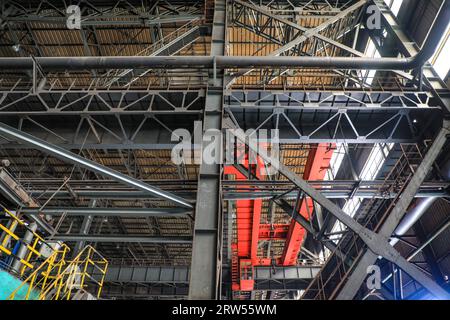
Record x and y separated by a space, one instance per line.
206 248
85 226
369 258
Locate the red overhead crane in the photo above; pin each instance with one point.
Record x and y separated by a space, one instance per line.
316 167
250 230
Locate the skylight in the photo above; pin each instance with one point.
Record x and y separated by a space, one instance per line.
370 171
371 51
440 59
395 5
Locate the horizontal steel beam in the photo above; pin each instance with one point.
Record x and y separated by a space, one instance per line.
206 62
122 238
144 292
284 278
330 189
306 127
229 62
151 274
328 194
121 212
231 195
266 278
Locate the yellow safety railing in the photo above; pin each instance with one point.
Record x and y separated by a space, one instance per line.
89 266
40 279
50 281
10 238
56 277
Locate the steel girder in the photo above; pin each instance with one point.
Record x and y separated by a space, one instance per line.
101 118
150 133
26 100
284 278
138 291
266 278
147 274
348 117
205 278
231 191
15 12
297 40
107 119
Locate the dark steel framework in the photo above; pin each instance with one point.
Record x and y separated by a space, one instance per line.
110 121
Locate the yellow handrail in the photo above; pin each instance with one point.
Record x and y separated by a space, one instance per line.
64 283
49 262
55 272
11 234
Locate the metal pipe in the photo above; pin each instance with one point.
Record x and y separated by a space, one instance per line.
65 155
226 62
420 208
411 217
230 62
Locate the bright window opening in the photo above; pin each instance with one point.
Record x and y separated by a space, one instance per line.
395 5
371 51
370 171
440 60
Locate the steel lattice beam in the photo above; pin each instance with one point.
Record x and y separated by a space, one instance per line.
309 117
303 34
266 278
